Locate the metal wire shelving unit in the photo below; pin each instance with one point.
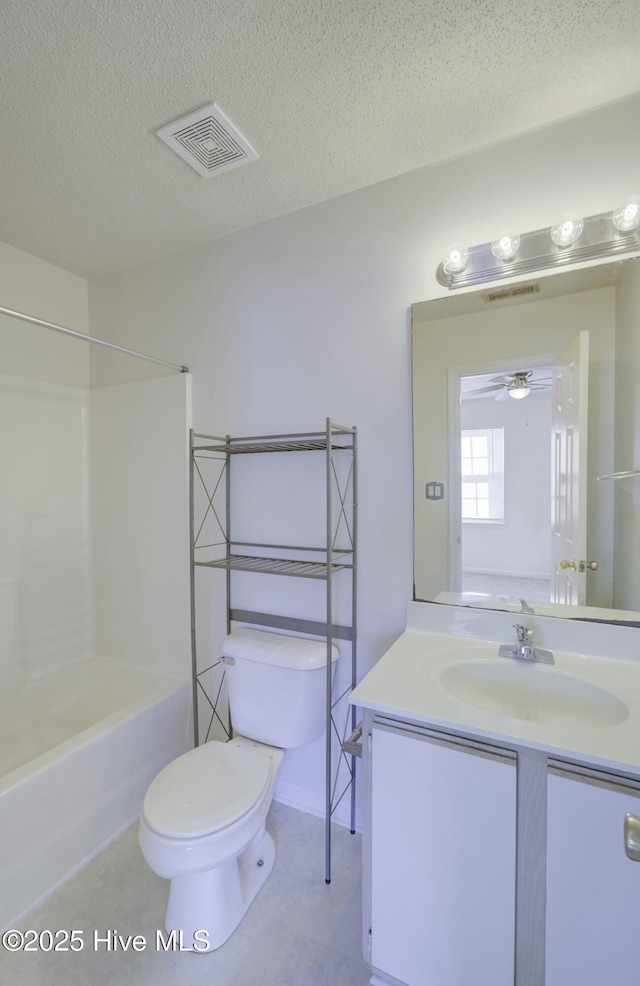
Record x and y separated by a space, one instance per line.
324 563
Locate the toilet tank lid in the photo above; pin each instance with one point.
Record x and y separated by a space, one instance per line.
282 650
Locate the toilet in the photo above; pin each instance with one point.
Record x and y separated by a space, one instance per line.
202 824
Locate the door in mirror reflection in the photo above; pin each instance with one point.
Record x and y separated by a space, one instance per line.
569 473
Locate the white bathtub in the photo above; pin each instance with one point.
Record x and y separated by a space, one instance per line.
78 749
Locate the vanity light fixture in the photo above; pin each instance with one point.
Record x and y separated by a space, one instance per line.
579 240
627 216
455 259
566 232
507 245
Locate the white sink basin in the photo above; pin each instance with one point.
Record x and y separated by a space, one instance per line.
533 692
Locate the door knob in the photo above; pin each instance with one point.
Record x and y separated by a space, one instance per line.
579 566
632 837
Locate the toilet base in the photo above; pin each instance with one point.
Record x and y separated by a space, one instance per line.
215 901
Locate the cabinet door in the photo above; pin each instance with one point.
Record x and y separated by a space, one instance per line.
443 862
593 888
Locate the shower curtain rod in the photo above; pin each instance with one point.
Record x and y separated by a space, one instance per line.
86 338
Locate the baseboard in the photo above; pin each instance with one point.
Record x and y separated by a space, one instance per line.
510 575
313 803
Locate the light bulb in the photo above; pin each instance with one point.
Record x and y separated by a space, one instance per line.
518 392
627 216
455 259
507 245
566 232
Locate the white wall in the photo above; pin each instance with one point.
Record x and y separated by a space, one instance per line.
140 523
35 287
518 546
308 315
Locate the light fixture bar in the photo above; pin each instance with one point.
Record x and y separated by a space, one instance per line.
599 238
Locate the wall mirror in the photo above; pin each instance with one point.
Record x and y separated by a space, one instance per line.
526 415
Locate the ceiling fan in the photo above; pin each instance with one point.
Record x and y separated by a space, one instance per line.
518 384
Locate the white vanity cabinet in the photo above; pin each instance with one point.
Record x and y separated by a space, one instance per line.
593 887
495 866
501 805
443 856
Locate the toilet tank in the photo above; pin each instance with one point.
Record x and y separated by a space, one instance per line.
277 686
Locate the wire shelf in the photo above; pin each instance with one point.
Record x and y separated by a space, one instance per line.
307 445
274 566
213 525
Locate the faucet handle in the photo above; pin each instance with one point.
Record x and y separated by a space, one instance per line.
524 633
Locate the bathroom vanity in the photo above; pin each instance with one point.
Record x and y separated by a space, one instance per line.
502 804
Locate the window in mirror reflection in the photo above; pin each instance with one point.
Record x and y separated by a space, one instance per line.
482 467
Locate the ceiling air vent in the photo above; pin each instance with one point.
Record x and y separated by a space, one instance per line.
517 291
208 141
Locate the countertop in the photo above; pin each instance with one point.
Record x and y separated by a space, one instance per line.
407 683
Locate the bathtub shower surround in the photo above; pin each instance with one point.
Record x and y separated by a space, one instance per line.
45 574
79 748
94 602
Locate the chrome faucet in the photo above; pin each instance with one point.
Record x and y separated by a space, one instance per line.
524 649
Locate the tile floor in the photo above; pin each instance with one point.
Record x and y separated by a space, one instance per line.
508 586
298 932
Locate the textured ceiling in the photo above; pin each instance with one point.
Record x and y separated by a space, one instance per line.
333 94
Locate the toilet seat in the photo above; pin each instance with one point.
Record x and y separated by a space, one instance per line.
206 790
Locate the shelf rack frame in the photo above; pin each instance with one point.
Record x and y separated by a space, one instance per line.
341 500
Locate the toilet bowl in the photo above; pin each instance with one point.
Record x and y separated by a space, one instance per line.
202 824
203 827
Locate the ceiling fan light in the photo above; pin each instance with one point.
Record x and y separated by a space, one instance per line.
566 232
455 259
518 392
506 245
627 216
